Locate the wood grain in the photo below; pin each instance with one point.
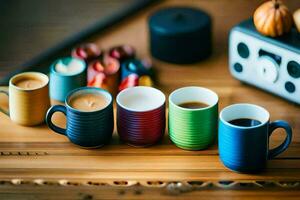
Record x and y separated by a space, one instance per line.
37 153
137 192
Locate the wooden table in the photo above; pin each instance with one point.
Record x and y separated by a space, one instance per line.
36 163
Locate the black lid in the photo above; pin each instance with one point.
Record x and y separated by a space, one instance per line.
180 34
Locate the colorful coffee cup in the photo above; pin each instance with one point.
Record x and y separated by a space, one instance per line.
141 115
90 129
66 74
193 128
246 148
29 103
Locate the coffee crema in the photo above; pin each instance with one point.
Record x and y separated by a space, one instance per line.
88 102
72 67
29 83
245 122
193 105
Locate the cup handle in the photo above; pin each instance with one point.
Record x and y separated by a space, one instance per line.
4 90
284 145
50 112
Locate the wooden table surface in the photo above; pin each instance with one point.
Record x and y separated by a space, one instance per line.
36 163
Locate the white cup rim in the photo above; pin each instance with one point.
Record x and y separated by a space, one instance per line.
213 98
160 98
244 110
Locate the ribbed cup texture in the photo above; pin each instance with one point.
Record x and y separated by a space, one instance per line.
28 107
141 128
243 150
192 129
91 129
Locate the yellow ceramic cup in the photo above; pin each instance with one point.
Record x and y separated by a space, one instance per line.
28 98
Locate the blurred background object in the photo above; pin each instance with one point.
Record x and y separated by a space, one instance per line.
32 30
181 35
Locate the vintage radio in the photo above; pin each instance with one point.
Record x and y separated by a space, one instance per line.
272 64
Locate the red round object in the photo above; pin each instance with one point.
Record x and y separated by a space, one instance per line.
122 52
87 52
111 65
130 81
106 65
98 66
97 80
94 68
80 53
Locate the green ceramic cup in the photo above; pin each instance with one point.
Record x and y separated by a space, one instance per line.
193 128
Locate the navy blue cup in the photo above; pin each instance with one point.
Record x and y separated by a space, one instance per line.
69 75
246 148
90 129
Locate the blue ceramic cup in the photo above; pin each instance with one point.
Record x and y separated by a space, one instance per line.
66 74
90 129
245 148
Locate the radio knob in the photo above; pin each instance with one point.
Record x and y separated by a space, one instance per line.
293 69
267 69
238 67
290 87
243 50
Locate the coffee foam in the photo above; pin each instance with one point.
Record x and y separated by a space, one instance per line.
88 100
28 83
73 67
37 79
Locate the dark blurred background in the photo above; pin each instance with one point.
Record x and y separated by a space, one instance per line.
32 30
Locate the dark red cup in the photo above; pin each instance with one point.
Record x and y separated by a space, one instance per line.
141 117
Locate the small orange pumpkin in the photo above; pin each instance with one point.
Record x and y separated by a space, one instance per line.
273 18
297 19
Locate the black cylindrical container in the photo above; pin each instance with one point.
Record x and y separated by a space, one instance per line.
180 35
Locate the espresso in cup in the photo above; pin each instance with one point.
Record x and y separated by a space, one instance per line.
244 134
193 116
245 122
193 105
88 102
